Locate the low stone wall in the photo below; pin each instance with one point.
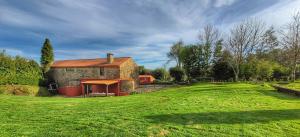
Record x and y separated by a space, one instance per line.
287 90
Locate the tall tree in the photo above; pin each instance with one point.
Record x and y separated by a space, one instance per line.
291 42
208 37
175 53
47 56
218 51
191 55
243 40
269 43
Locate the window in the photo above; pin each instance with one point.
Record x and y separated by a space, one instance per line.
70 70
101 71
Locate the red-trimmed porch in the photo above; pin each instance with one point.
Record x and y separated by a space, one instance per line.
100 87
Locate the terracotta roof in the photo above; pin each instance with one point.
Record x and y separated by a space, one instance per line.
98 62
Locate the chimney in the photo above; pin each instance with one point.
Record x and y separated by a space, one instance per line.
110 58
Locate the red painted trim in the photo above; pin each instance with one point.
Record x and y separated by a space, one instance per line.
70 91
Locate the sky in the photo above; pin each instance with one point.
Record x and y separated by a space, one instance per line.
141 29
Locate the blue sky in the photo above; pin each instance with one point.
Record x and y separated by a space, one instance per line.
142 29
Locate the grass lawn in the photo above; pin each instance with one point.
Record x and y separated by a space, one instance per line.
199 110
294 85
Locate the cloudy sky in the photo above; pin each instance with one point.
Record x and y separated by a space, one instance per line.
142 29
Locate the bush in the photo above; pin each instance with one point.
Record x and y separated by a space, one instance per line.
160 74
177 73
18 70
221 70
24 90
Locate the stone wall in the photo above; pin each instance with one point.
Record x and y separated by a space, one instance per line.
127 85
130 70
71 76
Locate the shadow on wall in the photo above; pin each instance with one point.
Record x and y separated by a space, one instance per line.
259 116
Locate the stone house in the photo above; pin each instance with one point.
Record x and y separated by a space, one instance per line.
107 76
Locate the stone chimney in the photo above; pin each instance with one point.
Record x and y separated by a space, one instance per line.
110 58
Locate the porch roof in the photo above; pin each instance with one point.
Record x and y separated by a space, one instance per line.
100 82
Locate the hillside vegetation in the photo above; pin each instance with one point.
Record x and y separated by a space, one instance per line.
198 110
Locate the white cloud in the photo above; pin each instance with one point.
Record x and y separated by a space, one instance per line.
151 27
280 13
221 3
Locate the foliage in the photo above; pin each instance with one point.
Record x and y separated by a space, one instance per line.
24 90
47 56
291 43
222 71
144 71
191 61
177 73
18 70
219 110
160 74
265 70
244 39
218 51
175 53
268 42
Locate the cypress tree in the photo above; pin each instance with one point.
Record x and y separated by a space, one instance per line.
47 56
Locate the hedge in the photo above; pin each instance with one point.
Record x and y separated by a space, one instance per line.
19 70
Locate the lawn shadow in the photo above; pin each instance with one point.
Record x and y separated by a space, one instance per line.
279 95
248 117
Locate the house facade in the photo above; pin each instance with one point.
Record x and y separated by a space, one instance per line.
109 75
146 79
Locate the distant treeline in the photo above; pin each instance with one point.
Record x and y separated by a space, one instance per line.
19 70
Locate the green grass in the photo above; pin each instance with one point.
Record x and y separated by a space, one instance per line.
199 110
294 85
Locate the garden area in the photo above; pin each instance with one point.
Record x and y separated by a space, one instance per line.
231 109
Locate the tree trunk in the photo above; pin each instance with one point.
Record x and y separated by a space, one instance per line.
294 72
236 77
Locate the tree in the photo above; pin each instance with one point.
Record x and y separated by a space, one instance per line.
47 56
218 51
209 38
177 73
175 53
209 35
221 70
243 40
269 43
160 74
143 70
191 58
291 42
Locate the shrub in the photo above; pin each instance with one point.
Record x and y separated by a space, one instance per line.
221 70
18 70
160 74
177 73
24 90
